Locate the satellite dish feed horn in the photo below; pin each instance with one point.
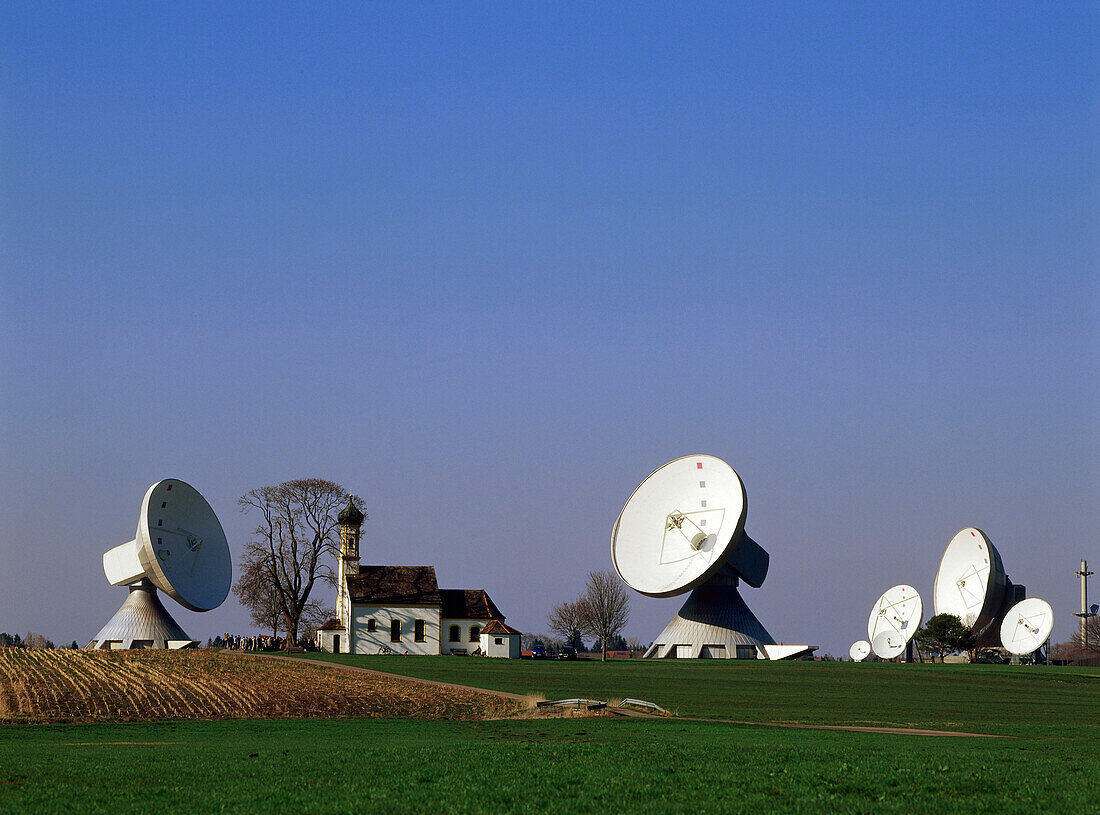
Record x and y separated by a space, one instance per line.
179 548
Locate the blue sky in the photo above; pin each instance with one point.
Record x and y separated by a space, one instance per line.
488 266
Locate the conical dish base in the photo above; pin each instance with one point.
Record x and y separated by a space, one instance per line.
714 623
141 622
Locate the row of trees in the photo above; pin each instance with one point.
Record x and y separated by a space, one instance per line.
1081 650
32 640
601 612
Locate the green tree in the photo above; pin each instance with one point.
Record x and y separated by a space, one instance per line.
944 634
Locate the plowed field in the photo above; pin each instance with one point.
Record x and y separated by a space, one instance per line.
65 686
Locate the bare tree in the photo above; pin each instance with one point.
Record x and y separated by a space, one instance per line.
314 615
605 608
296 539
1091 642
258 593
1080 651
566 620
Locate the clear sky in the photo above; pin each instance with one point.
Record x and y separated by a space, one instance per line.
489 265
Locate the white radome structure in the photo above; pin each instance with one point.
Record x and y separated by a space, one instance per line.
683 530
971 584
898 609
1026 626
860 650
179 548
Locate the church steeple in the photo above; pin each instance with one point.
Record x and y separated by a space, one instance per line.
350 520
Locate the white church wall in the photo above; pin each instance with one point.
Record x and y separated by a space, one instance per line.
369 642
464 642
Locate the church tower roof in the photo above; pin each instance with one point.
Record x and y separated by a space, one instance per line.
351 515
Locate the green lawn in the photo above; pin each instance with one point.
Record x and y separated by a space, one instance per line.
561 765
1048 762
999 699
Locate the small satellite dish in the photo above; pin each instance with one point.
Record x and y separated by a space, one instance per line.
971 581
179 548
888 644
1027 625
860 650
898 609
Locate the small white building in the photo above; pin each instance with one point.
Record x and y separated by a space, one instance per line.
380 609
500 640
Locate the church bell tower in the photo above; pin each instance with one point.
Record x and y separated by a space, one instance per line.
350 520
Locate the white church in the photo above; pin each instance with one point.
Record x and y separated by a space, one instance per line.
401 609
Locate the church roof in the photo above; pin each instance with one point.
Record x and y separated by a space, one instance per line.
394 585
469 604
351 515
499 627
332 624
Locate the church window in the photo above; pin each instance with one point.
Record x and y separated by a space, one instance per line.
498 641
418 631
456 634
475 633
395 631
372 625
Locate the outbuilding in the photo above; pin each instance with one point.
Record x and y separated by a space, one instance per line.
498 639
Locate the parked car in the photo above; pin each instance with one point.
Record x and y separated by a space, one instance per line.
567 652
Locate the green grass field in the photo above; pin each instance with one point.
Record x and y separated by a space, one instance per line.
1048 761
995 699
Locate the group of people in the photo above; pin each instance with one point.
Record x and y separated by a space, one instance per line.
251 642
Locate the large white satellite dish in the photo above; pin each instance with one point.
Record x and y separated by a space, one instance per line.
179 548
860 650
682 524
971 584
683 530
898 609
888 644
1026 626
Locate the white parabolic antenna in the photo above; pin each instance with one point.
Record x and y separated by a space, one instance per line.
1027 625
971 583
683 530
860 650
888 644
179 548
898 609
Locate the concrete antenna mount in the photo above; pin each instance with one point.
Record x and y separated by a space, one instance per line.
1085 612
